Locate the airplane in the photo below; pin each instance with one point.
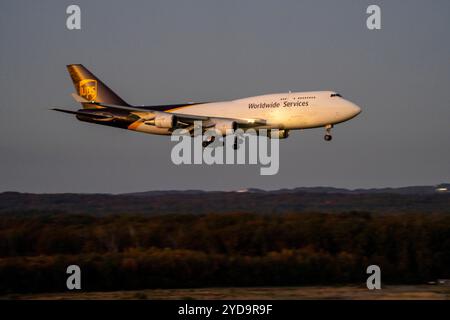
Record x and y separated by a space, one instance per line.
282 111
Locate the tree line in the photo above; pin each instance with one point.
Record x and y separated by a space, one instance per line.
119 252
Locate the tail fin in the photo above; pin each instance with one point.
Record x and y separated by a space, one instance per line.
91 88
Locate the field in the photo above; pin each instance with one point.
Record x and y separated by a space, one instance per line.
420 292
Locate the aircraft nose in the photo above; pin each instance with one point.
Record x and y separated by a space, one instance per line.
354 110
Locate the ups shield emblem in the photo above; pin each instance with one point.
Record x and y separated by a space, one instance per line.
88 89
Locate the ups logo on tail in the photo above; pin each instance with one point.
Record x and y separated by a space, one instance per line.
88 89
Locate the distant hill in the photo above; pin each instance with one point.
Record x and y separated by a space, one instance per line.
316 199
440 188
444 187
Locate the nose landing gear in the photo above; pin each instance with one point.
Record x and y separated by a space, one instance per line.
328 135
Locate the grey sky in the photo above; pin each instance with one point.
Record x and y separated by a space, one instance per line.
153 52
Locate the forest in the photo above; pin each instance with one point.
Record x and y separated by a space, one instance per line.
136 251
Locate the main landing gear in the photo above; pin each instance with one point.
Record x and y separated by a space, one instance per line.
328 135
208 142
237 142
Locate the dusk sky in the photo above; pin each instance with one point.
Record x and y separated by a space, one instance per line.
163 52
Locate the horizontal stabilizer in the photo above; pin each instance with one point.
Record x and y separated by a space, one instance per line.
83 113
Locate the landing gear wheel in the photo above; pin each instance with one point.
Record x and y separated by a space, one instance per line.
208 142
328 136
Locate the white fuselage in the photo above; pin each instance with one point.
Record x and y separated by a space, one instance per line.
294 110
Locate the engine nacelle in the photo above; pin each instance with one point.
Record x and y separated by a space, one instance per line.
165 120
223 125
282 134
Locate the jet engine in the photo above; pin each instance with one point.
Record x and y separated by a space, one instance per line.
282 134
164 120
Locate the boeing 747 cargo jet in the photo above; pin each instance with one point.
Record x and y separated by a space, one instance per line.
283 111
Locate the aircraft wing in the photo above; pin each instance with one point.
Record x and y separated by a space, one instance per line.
187 120
244 123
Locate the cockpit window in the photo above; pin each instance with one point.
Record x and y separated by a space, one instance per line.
335 95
